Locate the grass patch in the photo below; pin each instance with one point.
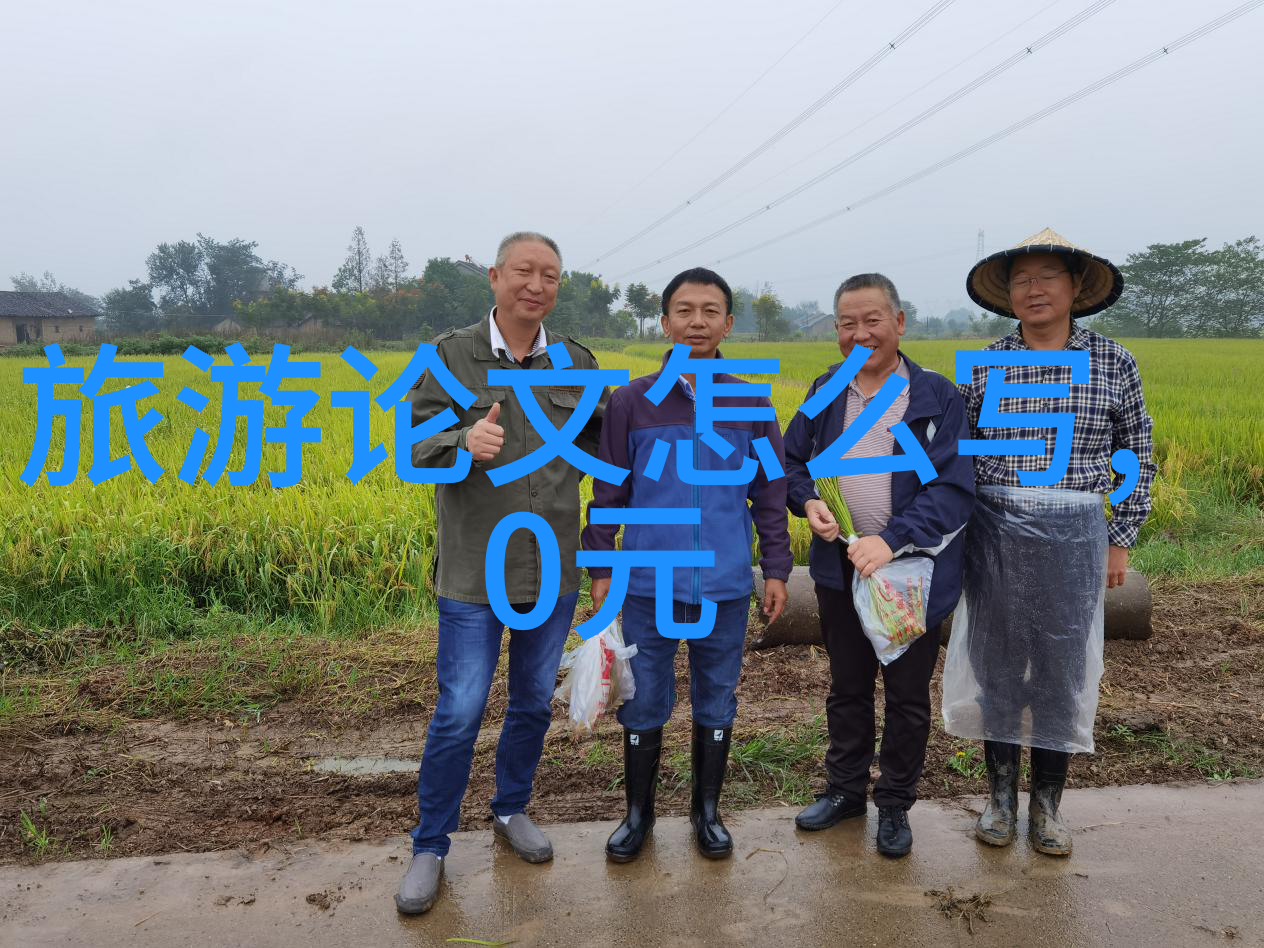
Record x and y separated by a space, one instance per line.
36 837
779 763
1209 764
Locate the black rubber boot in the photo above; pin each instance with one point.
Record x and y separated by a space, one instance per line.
710 756
1049 835
998 823
640 778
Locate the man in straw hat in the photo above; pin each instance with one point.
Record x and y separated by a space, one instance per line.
1025 658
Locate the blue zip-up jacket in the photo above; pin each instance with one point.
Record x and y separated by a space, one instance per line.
729 511
924 517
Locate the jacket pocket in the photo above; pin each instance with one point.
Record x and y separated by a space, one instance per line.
483 401
561 405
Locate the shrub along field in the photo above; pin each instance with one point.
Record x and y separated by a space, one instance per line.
129 608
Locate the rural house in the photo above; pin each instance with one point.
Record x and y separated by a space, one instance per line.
43 318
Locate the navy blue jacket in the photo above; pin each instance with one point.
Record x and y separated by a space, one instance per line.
630 427
923 516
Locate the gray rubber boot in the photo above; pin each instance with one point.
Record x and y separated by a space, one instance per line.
1049 835
998 823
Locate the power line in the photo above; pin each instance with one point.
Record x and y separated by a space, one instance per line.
890 108
719 115
973 85
786 129
1111 79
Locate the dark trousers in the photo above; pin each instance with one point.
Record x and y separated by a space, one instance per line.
715 664
849 708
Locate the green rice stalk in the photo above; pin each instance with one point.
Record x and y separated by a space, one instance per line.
827 489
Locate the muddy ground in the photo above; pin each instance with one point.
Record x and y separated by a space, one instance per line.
1186 704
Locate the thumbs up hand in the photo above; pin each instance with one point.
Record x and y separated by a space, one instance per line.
486 437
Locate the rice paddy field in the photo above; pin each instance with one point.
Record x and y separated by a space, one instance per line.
329 556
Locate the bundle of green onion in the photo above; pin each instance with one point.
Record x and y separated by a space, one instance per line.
827 489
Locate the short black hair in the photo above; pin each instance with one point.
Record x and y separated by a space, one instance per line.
698 275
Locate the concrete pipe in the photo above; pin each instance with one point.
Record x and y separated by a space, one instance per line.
1128 612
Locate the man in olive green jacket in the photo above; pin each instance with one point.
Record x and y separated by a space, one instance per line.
496 432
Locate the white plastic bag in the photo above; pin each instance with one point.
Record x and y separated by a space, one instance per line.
891 603
598 675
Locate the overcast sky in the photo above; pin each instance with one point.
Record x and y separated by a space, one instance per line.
448 124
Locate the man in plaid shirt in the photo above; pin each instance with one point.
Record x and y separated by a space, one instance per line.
1025 658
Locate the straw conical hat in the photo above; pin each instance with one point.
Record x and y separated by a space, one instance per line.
988 285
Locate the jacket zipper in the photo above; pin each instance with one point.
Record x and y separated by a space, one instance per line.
695 588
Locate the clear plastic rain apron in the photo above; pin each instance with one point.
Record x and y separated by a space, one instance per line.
1025 658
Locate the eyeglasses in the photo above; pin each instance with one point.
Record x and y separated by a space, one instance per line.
1026 284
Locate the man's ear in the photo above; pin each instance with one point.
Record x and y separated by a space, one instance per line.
662 321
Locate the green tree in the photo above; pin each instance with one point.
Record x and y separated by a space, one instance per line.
448 297
207 276
1163 286
1232 298
355 274
770 322
644 306
743 313
390 271
910 314
130 309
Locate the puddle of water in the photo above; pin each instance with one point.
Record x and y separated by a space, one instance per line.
365 766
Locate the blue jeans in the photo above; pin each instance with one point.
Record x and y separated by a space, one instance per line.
715 664
469 649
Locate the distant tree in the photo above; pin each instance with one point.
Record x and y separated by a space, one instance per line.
356 273
396 265
25 283
991 326
645 307
956 323
449 297
910 313
1232 299
208 276
583 308
390 271
769 321
380 277
130 309
1162 286
743 314
176 271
